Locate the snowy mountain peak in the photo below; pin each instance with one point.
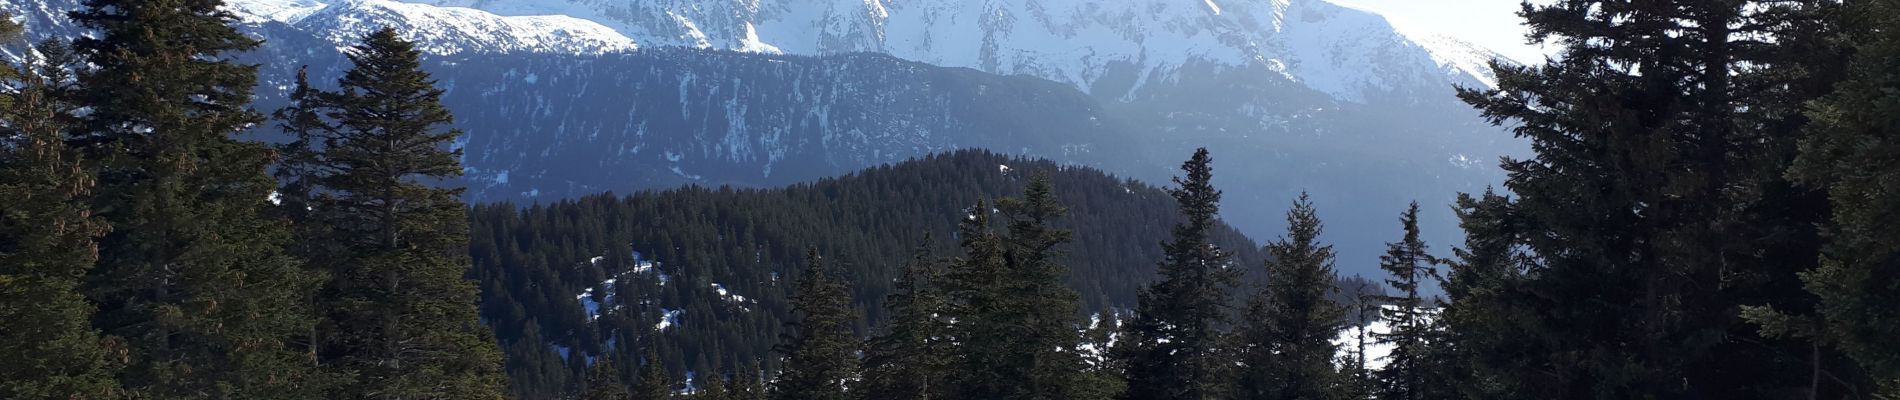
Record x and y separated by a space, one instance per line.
435 29
1349 53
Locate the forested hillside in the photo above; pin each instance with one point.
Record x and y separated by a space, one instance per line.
721 260
1708 214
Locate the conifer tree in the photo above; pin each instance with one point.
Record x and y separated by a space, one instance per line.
1286 344
820 352
299 162
1018 325
1408 263
1849 153
48 349
1355 377
1103 376
191 276
653 383
911 359
1176 331
297 169
713 388
747 383
401 317
1656 205
604 382
974 290
1483 289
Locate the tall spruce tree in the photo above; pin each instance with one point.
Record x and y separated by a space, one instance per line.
1408 264
400 316
820 352
49 349
1176 331
604 382
911 359
1355 374
1286 345
974 290
1022 339
191 276
713 387
1849 152
1103 377
653 384
1484 289
299 163
748 383
1656 204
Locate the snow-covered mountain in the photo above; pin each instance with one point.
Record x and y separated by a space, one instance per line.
567 97
1348 53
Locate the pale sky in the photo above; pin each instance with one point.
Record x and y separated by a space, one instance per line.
1489 23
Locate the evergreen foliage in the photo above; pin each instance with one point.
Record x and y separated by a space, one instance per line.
1409 315
1483 315
533 261
1286 345
747 383
1848 152
1103 376
1656 206
911 359
653 382
48 348
1176 335
821 351
1355 376
192 277
604 382
1017 329
400 318
713 387
1045 312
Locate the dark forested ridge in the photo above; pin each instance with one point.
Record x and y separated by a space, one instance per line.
1708 214
534 261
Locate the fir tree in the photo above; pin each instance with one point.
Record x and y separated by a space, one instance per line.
713 388
1484 293
1176 334
401 317
1286 346
911 359
1848 152
1102 377
299 160
653 383
604 382
1408 315
820 353
1656 205
977 300
191 276
49 349
1355 378
747 383
1017 326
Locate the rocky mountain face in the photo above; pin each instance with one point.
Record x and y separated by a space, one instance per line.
562 98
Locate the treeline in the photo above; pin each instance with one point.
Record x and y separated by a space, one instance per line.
993 319
728 257
147 253
1708 214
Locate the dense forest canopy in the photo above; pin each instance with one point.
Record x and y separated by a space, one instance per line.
1708 214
